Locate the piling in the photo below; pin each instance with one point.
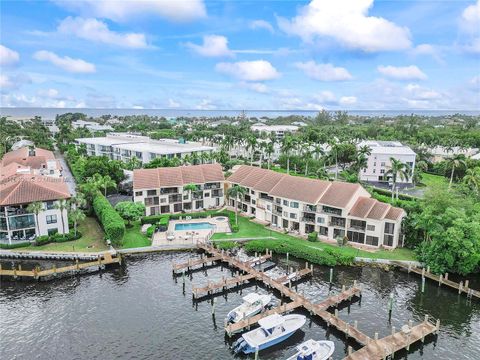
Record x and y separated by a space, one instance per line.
423 284
331 275
287 262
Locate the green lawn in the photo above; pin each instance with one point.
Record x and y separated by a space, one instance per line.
249 229
134 238
430 180
91 240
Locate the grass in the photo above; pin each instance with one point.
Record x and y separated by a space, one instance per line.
431 180
249 229
134 238
91 240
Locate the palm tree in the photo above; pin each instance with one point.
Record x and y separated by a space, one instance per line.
77 201
288 144
322 174
237 192
398 170
35 208
62 205
76 215
106 182
204 157
251 141
472 179
269 150
190 188
133 163
455 162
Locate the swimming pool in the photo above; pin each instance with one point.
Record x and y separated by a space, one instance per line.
194 226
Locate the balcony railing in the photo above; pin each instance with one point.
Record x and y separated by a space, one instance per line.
356 228
277 210
212 186
308 220
310 208
174 198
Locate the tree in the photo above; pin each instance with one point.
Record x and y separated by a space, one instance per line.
133 163
76 215
398 170
130 211
35 208
237 192
251 146
269 150
106 182
322 174
189 189
288 144
62 205
455 162
472 179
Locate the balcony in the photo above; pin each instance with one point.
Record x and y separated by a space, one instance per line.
329 210
265 197
356 228
210 186
22 222
278 210
198 195
165 191
175 198
217 193
308 219
310 208
338 222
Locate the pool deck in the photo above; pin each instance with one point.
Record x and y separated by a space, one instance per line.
190 236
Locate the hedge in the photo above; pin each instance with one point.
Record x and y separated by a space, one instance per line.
111 221
150 231
14 245
57 238
301 250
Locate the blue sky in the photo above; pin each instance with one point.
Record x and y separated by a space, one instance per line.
195 54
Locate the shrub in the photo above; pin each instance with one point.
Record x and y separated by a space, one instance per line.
111 221
313 236
225 245
235 228
152 219
42 240
150 231
15 245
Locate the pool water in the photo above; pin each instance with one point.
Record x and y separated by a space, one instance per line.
194 226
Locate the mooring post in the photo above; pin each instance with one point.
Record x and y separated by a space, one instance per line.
423 272
466 284
440 279
390 304
355 324
77 264
393 330
349 350
331 275
376 336
437 326
214 300
410 324
446 276
336 312
311 268
256 353
423 284
426 319
287 262
343 287
428 268
183 276
460 287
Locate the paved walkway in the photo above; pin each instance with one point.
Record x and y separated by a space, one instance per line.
67 174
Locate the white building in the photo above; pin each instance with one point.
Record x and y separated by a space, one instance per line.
28 176
90 125
379 163
278 130
124 146
440 153
333 209
162 189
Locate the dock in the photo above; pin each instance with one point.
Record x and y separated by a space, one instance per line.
192 263
102 260
462 287
372 348
294 276
224 284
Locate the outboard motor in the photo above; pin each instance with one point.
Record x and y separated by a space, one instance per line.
239 345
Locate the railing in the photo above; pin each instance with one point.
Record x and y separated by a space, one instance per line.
308 220
356 228
337 224
309 208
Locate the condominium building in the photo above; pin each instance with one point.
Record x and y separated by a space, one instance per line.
124 146
162 190
278 130
378 162
29 176
333 209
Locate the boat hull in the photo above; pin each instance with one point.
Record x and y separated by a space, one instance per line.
248 349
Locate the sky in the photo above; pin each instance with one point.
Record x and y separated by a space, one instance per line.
264 55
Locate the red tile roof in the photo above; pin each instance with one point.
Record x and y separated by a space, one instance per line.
24 189
21 156
368 208
177 176
362 207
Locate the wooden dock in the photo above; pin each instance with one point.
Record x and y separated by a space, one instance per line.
389 345
258 260
294 276
372 348
191 263
102 260
224 284
462 287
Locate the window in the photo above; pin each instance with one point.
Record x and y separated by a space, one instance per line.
371 228
373 171
389 228
293 216
382 163
294 204
388 240
382 171
51 219
52 231
253 202
322 230
338 233
50 205
252 192
356 237
207 194
151 192
138 193
372 240
331 210
321 220
138 154
269 207
374 164
285 202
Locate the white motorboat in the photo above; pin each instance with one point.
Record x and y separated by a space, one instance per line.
273 330
314 350
253 303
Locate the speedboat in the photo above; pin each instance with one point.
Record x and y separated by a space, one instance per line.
253 303
314 350
273 330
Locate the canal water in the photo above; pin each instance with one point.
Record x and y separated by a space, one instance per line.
140 311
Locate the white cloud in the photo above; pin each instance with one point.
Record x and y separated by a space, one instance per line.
428 50
213 46
416 92
325 97
123 10
257 87
206 104
8 56
173 104
323 72
348 100
13 81
66 63
261 24
473 46
411 72
258 70
470 25
6 82
98 31
347 22
50 93
475 81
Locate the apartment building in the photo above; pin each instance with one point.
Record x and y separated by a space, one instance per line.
28 176
124 146
333 209
162 190
379 163
278 130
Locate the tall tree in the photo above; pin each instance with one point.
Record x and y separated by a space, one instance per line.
106 182
76 215
35 208
237 192
397 171
288 145
62 205
472 179
455 162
